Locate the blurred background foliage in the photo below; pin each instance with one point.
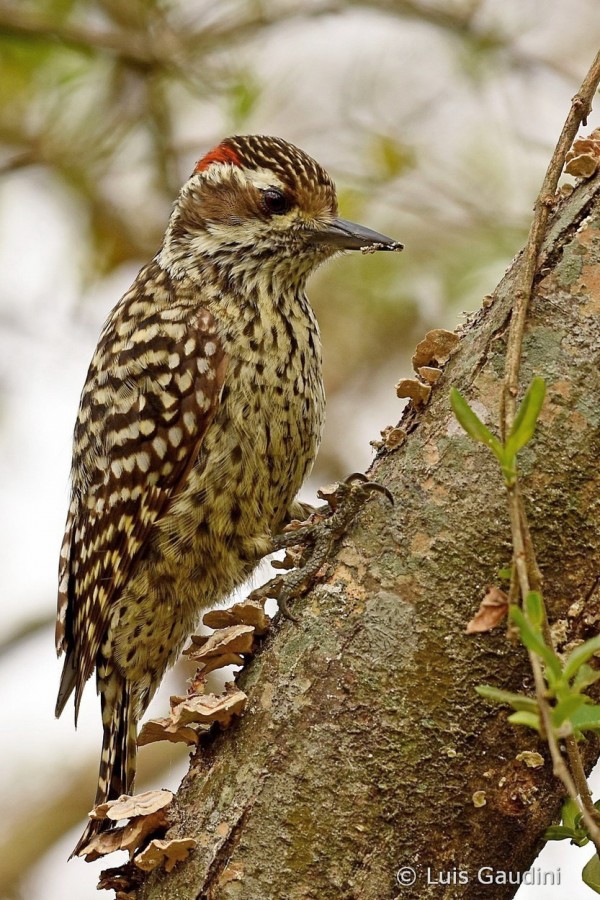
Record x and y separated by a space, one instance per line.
435 117
423 111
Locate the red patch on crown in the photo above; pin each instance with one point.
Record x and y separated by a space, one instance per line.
224 153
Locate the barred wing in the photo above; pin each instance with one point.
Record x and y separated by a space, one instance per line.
151 393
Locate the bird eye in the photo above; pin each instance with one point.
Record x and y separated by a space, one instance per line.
275 201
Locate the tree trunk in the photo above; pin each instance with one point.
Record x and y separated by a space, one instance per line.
364 740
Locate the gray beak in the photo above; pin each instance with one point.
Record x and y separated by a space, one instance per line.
343 235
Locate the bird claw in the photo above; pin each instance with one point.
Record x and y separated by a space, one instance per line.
277 589
344 499
282 606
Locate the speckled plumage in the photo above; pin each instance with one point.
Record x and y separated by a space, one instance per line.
199 420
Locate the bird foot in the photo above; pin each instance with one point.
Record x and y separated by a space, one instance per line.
309 543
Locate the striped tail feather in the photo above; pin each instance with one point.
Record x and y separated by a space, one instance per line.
119 747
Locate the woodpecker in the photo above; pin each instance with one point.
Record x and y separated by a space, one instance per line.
199 420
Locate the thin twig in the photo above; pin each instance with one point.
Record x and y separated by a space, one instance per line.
535 576
575 790
525 566
560 769
581 106
519 555
579 776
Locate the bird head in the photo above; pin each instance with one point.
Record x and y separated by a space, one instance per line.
257 204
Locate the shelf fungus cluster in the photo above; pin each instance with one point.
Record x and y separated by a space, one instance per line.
149 815
583 159
230 644
430 356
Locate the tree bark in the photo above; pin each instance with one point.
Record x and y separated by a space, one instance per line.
364 740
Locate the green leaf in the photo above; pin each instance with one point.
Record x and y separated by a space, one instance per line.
517 701
571 826
243 96
591 873
505 573
509 470
529 720
525 421
585 677
534 608
562 832
580 655
473 425
565 709
569 813
586 718
581 838
391 158
559 833
534 641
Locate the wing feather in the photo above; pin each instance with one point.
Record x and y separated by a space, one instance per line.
152 391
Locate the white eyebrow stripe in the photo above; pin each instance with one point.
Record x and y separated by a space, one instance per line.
263 178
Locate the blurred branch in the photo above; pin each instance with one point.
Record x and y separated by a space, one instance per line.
39 824
223 34
460 21
127 45
24 631
144 48
19 161
25 840
161 131
463 24
152 49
